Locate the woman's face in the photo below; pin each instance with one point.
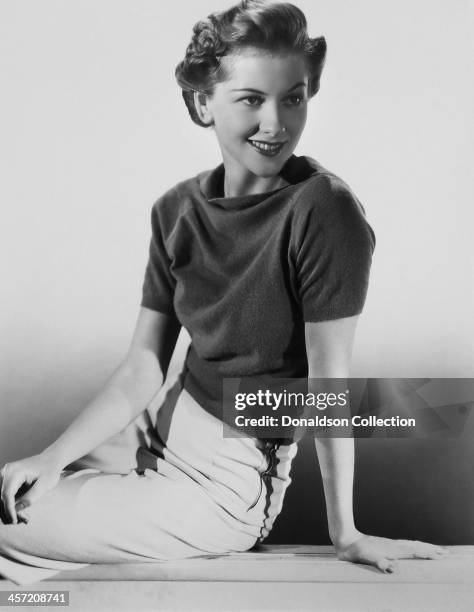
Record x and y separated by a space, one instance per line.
258 112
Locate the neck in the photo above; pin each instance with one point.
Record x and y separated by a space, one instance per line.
242 184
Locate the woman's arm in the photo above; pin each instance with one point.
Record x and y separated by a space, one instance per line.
127 393
329 347
122 399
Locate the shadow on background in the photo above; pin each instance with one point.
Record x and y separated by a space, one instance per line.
408 489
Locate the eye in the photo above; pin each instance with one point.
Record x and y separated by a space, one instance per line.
295 99
252 100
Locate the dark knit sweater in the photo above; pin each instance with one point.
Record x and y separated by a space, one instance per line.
243 274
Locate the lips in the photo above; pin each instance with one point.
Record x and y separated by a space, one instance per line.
267 148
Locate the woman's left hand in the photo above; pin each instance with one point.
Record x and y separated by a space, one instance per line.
381 552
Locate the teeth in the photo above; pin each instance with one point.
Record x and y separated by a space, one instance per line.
264 146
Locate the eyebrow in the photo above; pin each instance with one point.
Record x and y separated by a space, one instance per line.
301 83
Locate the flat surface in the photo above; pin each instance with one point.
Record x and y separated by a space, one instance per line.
275 578
285 564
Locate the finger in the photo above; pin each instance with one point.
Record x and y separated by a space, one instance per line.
423 550
407 549
40 487
3 472
429 553
9 489
440 550
22 519
421 543
385 565
21 513
381 562
419 554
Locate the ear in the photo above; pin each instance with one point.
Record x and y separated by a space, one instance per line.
201 103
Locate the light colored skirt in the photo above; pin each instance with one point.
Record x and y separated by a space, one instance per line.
193 492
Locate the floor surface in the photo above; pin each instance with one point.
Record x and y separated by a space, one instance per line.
275 578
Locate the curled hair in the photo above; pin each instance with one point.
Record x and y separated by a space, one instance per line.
274 27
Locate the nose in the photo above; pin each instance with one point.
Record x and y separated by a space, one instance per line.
271 121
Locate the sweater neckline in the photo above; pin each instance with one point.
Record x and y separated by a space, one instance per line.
211 183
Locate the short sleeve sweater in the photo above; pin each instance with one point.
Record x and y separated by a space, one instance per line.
244 274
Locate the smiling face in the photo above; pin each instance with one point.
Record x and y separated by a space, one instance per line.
258 114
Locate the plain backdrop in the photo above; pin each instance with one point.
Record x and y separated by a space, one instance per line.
93 129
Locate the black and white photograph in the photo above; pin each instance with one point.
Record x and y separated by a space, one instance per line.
237 305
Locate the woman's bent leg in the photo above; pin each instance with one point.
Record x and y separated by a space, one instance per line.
111 518
194 492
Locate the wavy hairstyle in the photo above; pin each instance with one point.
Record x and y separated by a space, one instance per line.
272 27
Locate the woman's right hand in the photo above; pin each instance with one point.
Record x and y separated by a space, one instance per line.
30 478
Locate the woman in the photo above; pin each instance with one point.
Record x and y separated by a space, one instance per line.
265 261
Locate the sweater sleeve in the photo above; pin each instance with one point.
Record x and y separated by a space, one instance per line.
159 284
334 246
